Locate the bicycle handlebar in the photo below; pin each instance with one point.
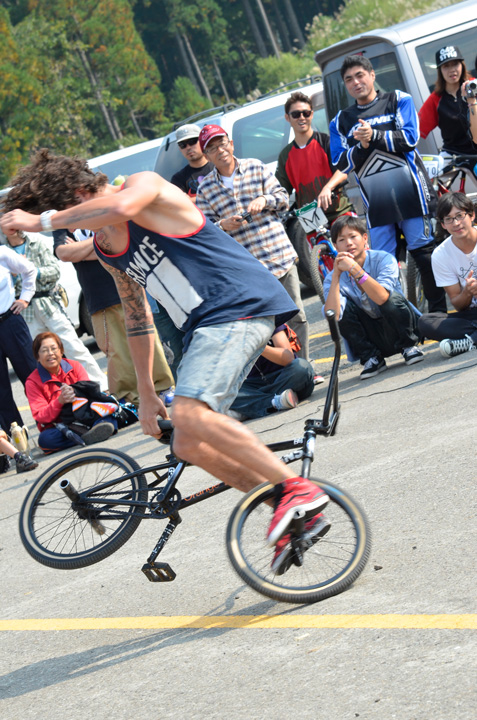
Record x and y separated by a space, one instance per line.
333 324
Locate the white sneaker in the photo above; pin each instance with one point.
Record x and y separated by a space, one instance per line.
287 400
450 348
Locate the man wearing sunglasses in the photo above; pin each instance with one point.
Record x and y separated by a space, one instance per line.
305 164
454 264
188 179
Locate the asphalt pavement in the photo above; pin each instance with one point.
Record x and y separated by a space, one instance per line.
103 642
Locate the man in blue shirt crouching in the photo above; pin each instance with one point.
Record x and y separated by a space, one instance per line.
376 320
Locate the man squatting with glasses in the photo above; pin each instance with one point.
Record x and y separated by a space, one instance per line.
149 234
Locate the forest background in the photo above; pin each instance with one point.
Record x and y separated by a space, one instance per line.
89 76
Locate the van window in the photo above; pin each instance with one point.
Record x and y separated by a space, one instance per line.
169 160
137 162
466 42
388 78
261 135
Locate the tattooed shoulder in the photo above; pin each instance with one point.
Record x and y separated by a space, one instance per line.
104 241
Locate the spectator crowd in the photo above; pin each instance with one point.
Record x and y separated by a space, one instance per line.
375 139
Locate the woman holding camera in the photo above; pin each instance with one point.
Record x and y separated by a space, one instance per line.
469 91
446 106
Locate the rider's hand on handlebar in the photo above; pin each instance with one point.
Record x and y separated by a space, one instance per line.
150 407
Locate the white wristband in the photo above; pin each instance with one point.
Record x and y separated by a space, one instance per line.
45 220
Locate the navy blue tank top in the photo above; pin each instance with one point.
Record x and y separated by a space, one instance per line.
205 278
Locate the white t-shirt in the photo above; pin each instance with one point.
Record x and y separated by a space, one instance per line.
451 266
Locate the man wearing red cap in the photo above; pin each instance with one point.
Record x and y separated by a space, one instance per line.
149 234
243 198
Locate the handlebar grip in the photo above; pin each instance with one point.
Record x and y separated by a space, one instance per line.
166 427
333 324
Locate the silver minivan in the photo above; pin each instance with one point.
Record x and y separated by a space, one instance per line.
403 57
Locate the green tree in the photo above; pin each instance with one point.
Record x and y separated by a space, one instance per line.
19 97
123 79
272 71
358 16
184 100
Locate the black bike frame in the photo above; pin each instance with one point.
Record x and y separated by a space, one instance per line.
166 506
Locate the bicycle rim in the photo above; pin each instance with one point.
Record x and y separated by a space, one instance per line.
330 566
57 535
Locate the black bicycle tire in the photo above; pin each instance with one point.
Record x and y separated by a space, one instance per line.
415 293
298 239
68 524
315 270
293 594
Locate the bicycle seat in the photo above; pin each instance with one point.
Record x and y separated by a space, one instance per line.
166 428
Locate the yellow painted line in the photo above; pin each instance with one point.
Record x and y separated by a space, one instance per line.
251 622
327 360
318 335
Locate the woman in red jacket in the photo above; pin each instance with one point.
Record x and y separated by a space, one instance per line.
48 389
445 107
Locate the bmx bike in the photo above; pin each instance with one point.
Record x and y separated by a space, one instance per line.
89 504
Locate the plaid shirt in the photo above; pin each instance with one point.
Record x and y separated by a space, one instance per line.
265 236
48 272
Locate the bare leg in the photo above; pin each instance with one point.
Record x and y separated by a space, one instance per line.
223 447
6 446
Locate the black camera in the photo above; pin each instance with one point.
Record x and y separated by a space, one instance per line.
246 216
471 89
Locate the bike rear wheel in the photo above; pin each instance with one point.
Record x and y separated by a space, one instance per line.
329 567
66 535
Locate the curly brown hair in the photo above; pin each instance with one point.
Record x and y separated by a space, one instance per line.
51 182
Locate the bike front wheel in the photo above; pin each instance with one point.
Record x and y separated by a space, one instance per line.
329 567
65 534
315 270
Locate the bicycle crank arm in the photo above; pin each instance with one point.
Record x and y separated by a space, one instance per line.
85 514
158 572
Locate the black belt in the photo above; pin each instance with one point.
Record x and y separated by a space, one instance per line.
5 315
41 294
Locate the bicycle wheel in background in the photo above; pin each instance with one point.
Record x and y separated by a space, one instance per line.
65 537
415 290
297 237
315 272
329 567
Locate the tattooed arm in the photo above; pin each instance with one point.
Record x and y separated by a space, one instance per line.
140 332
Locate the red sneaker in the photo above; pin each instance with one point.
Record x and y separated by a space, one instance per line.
315 528
297 494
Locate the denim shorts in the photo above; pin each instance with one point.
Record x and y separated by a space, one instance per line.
219 358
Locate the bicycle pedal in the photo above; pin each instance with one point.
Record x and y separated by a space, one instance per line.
158 572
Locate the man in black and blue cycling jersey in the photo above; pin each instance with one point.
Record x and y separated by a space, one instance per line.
150 235
376 137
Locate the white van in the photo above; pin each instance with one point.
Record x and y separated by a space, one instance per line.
129 160
403 57
258 129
